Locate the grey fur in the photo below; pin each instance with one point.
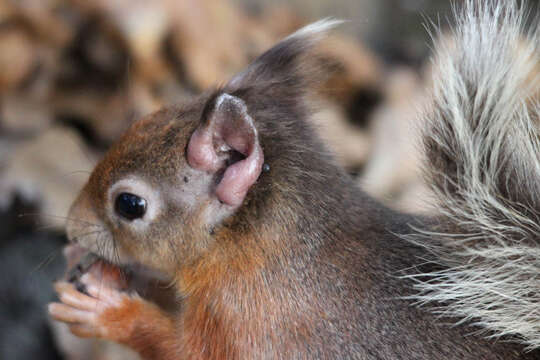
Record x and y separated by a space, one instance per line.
483 147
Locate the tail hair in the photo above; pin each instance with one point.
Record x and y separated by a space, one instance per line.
482 146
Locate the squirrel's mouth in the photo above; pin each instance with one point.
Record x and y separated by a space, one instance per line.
152 285
93 237
81 261
73 253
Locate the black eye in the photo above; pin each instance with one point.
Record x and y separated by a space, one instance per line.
130 206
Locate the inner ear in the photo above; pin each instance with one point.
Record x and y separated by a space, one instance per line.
227 139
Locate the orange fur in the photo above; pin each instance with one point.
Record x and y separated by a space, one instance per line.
137 323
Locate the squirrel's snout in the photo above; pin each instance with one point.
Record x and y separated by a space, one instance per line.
82 222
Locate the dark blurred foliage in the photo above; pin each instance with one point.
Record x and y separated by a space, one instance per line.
30 260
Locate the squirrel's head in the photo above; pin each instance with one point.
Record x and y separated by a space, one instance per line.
179 175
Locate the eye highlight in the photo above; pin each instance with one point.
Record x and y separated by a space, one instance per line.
130 206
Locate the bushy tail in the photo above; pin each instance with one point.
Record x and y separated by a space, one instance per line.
483 150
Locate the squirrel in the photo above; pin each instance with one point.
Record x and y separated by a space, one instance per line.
271 249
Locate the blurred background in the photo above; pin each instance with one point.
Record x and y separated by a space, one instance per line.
74 74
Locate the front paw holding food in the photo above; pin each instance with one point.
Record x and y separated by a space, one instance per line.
93 299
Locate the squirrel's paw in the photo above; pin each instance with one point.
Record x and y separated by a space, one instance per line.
103 311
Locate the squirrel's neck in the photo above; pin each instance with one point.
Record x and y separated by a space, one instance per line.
258 286
248 303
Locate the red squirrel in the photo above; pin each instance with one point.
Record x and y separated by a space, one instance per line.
274 253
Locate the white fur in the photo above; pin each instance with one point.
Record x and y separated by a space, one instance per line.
494 275
316 29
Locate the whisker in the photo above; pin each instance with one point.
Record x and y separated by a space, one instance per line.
99 245
48 259
123 274
58 217
83 235
99 248
77 172
46 227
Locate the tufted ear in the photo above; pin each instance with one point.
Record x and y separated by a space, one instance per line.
227 140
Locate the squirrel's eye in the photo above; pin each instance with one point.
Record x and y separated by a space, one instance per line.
130 206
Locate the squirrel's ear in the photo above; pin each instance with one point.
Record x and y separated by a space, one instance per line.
227 140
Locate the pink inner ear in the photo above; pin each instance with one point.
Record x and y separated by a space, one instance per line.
230 125
239 177
201 153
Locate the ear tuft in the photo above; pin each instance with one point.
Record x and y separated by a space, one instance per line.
316 30
275 83
282 62
228 140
